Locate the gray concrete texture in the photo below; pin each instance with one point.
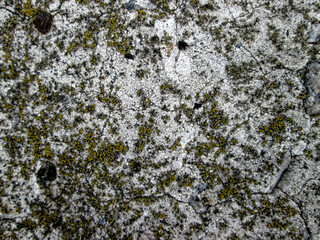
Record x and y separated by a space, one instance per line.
159 119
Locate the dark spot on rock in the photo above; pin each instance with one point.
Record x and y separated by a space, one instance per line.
238 45
197 105
129 56
154 39
43 22
182 45
47 173
157 51
136 167
146 51
60 98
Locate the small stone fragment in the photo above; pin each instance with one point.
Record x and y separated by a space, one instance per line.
130 4
312 84
284 166
238 45
102 222
139 4
43 22
200 188
195 201
314 35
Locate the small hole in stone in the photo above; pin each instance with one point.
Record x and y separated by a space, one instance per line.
182 45
197 105
43 22
47 173
129 56
136 167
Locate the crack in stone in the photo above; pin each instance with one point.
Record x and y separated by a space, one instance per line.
278 176
301 214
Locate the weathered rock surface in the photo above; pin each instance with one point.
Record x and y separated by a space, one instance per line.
314 36
159 119
312 84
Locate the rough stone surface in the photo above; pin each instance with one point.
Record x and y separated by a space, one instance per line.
314 36
159 119
312 84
